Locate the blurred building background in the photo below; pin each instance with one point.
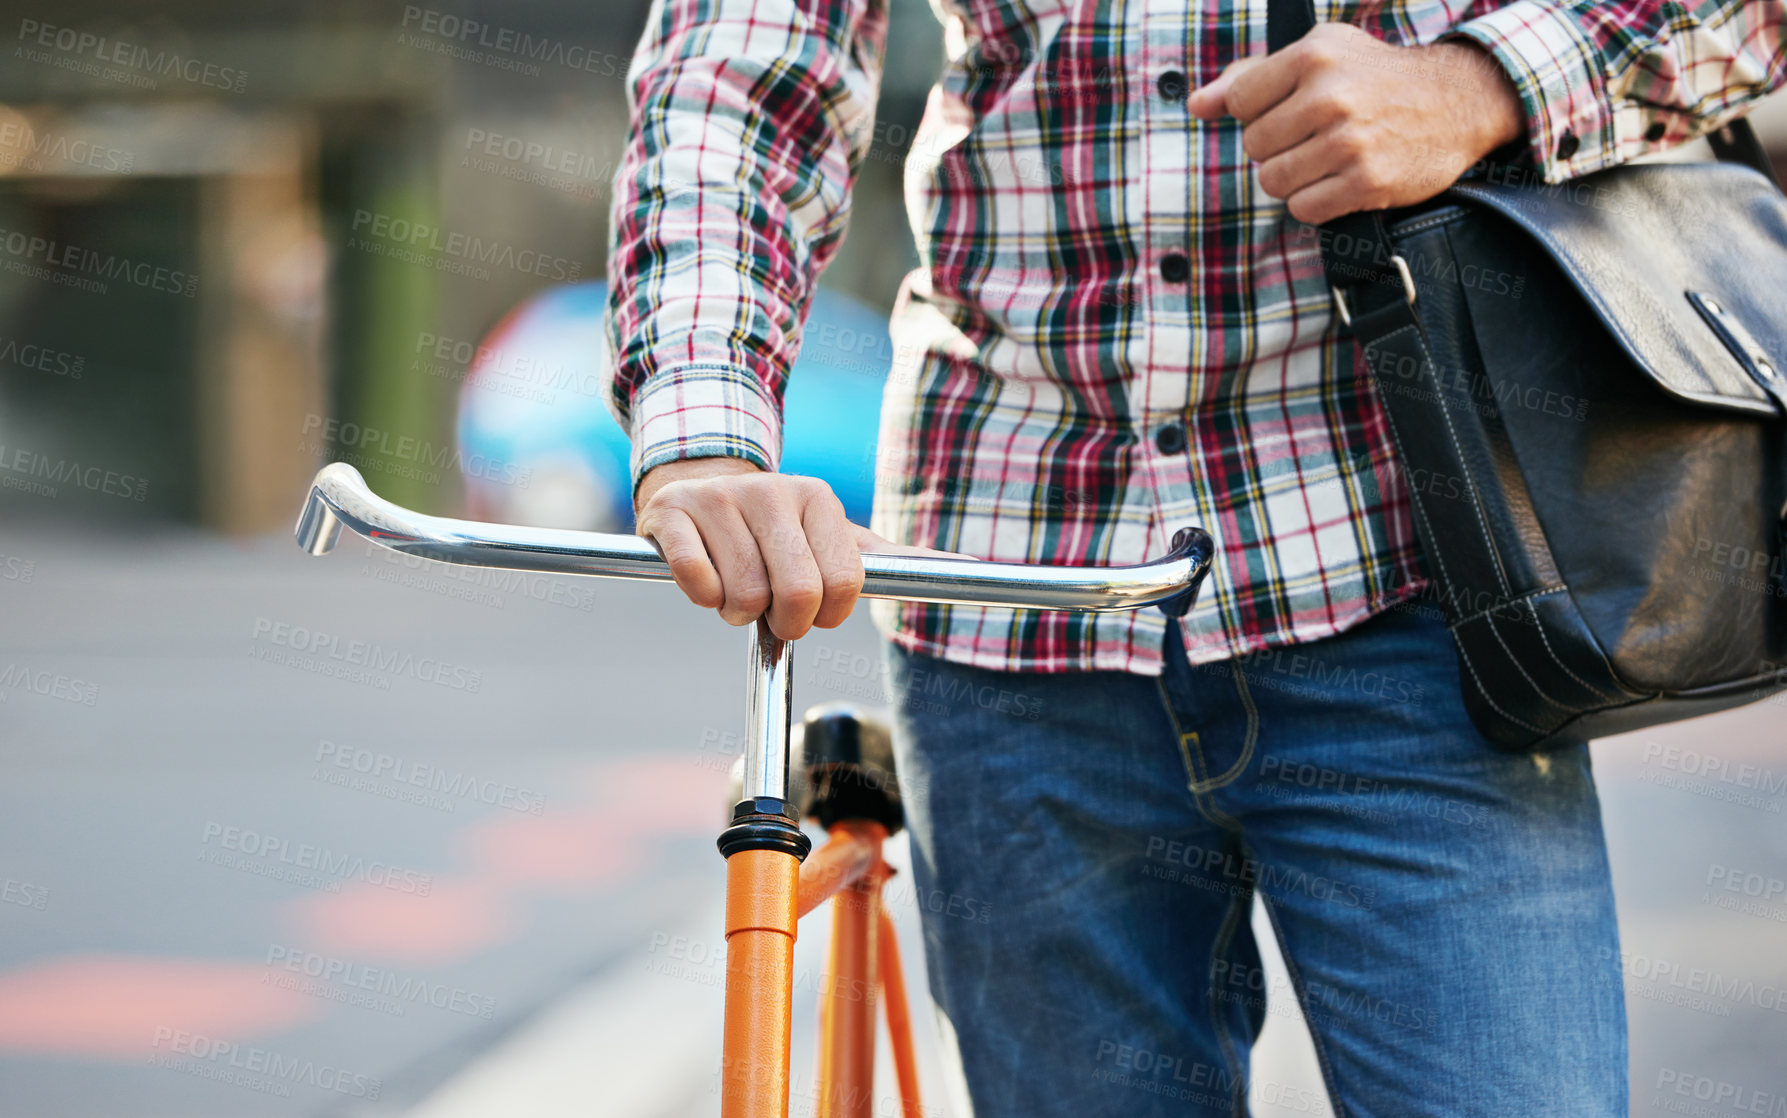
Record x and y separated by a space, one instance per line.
216 219
238 240
219 217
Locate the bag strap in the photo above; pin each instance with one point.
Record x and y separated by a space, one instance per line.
1286 22
1737 143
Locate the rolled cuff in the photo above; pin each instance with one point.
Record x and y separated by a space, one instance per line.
704 411
1557 69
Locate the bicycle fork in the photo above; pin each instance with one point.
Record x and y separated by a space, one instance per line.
768 889
764 848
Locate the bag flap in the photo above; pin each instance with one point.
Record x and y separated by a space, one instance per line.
1685 263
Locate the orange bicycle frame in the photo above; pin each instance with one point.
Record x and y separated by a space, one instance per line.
770 883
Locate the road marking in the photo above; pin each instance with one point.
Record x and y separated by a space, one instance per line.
633 1041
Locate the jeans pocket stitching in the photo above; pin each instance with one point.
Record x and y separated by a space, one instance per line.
1248 741
1204 783
1195 783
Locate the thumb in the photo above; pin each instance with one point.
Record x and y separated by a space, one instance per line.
1210 102
873 544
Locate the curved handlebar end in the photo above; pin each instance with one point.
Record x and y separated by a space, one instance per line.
318 526
1194 544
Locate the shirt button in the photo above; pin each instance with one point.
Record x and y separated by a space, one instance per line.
1170 439
1567 145
1656 131
1172 86
1175 267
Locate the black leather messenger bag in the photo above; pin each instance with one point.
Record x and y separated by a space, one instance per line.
1587 388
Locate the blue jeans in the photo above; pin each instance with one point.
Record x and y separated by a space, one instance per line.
1445 910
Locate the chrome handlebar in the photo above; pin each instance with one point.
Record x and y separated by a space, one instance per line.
339 498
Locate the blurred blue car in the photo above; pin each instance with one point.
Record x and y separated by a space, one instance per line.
532 402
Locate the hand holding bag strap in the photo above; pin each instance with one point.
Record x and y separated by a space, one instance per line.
1356 247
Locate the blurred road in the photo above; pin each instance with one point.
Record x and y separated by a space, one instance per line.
355 836
359 864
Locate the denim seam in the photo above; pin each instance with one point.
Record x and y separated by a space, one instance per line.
1195 783
1211 784
1315 1038
1218 1024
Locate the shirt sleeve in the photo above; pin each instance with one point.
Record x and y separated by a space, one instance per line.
1604 82
749 119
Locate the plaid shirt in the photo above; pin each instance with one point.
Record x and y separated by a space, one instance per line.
1113 332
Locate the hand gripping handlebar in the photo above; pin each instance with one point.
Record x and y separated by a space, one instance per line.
764 843
339 498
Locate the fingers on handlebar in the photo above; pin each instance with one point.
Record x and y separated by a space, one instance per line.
833 539
733 549
794 591
680 542
760 546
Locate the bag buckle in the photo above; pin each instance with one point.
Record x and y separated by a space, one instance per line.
1408 291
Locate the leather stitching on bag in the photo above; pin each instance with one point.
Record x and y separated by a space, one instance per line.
1501 576
1558 660
1465 659
1526 597
1489 619
1463 656
1440 559
1444 217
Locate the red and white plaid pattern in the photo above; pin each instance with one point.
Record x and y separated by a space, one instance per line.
1114 332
